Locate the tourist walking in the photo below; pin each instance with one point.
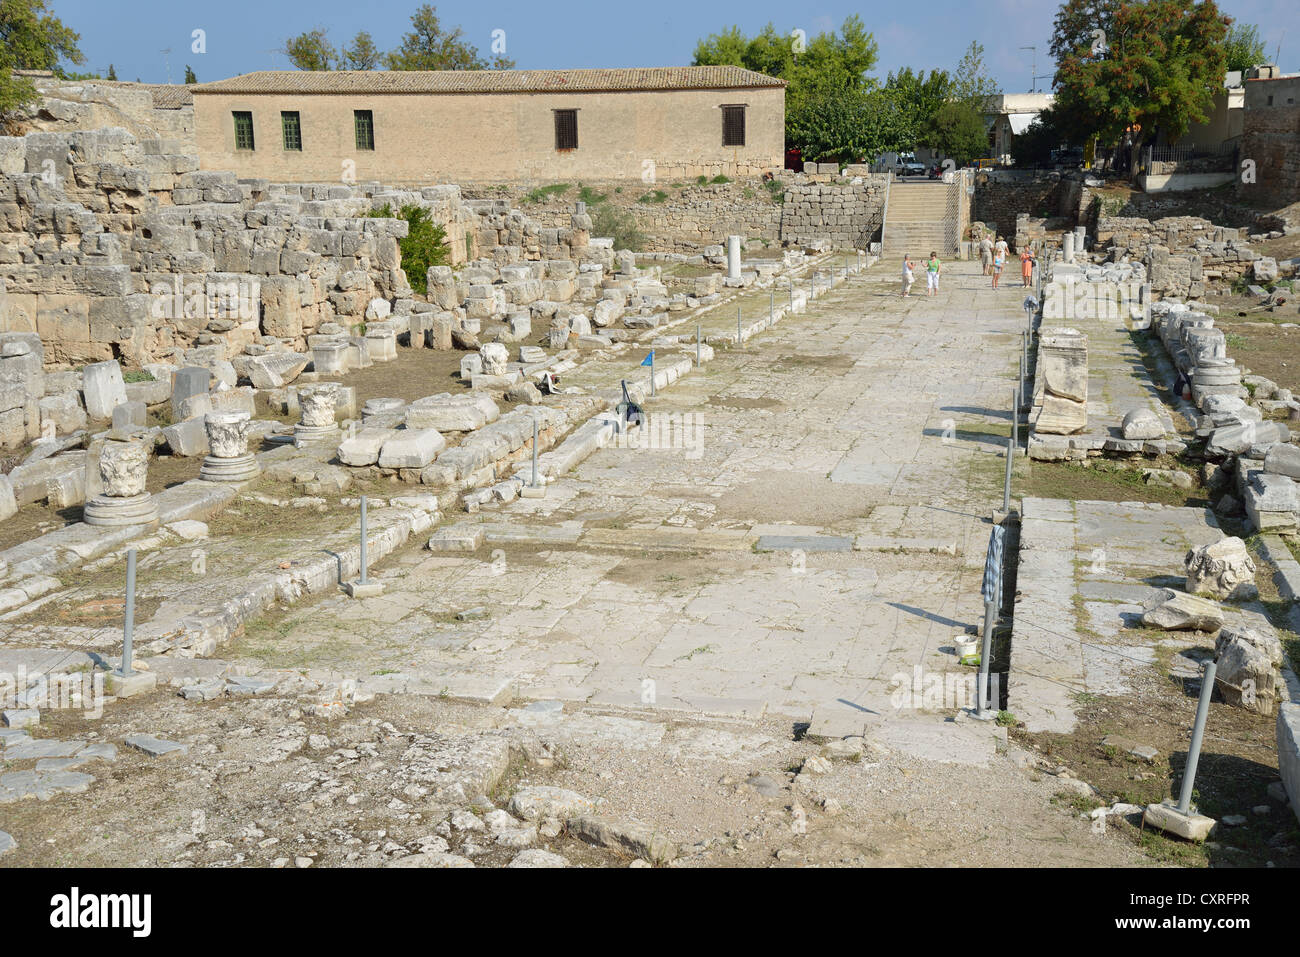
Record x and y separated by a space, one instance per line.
932 268
1027 266
999 260
986 255
909 276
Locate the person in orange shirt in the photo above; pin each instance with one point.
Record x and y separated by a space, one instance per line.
1027 266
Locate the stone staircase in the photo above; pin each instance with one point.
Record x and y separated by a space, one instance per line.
920 218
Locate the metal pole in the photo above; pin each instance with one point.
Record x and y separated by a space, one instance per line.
364 561
1015 417
697 345
652 373
1198 731
1006 488
737 325
534 483
771 307
128 624
986 652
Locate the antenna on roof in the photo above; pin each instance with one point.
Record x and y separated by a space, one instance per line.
167 63
1033 69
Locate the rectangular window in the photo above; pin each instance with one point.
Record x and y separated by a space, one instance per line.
365 123
733 126
292 124
243 130
566 129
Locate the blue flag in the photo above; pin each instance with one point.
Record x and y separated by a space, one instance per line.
649 360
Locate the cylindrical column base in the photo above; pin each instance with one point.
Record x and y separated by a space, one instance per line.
241 468
107 510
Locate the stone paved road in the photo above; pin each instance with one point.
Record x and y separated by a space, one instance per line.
714 576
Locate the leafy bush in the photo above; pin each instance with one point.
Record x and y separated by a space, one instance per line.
655 196
613 221
542 193
137 375
589 196
719 180
425 243
776 189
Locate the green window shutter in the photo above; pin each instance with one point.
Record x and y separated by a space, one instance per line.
365 123
292 124
243 130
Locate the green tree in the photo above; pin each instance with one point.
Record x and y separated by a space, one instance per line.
815 70
362 55
847 126
430 47
1148 66
1244 47
957 129
190 78
311 51
112 73
918 98
31 38
971 81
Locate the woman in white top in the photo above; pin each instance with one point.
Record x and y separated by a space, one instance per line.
909 276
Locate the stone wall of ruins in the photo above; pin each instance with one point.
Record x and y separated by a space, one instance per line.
848 214
1271 140
1001 196
118 248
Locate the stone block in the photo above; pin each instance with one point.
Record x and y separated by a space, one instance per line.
411 449
1288 751
188 438
130 415
104 389
364 447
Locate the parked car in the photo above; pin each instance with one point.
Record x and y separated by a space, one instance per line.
908 165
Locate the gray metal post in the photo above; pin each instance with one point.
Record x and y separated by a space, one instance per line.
364 561
737 325
1015 415
1006 488
128 624
534 482
1198 731
771 307
697 345
986 652
652 373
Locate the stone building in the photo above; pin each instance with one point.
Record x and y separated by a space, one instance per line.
1270 138
492 126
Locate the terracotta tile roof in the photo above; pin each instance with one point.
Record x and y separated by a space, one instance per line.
491 81
170 96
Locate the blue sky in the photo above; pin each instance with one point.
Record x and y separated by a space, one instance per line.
244 35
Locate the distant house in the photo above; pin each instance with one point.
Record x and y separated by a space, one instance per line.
1006 116
493 126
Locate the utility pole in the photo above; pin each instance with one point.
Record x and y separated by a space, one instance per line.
1033 70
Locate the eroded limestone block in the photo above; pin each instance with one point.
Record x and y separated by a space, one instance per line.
1063 406
496 358
123 468
1177 611
1248 674
1223 570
